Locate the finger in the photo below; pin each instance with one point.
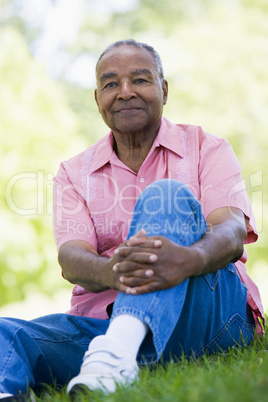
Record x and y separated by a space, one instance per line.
143 242
144 288
125 284
125 289
141 233
134 282
136 255
123 251
132 266
132 269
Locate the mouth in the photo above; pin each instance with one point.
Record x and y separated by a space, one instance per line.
128 110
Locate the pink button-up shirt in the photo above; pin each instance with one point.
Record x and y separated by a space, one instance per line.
95 195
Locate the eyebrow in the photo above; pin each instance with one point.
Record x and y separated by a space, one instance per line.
137 71
106 76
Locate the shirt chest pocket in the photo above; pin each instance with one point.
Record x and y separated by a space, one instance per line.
185 170
187 178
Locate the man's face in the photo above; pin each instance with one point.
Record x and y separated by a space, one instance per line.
130 95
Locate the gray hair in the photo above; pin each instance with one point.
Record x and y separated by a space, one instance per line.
140 45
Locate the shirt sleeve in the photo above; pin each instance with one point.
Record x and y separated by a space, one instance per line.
221 181
71 216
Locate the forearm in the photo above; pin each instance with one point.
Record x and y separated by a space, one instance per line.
83 266
145 269
219 246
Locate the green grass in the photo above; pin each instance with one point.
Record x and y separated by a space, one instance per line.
237 375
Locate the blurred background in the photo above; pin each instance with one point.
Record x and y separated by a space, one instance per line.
215 56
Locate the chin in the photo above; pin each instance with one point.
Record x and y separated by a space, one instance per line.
131 126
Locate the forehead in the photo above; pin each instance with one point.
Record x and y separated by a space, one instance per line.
126 57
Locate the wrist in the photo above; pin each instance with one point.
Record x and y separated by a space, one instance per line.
199 260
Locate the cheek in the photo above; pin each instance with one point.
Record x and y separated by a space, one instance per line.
155 100
104 105
156 106
102 108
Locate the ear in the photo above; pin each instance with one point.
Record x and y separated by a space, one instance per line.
165 91
96 97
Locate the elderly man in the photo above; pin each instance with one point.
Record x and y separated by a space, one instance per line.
150 224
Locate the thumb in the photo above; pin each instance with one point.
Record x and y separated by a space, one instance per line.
141 233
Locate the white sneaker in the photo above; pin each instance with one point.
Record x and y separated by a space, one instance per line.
104 369
29 397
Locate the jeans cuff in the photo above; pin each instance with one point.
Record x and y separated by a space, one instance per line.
148 321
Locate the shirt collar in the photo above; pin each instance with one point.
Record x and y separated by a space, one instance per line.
102 152
168 137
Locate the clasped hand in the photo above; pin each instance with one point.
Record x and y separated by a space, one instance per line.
147 264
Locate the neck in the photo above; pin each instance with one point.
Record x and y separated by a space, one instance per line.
132 148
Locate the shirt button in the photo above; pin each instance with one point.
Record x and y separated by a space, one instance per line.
142 180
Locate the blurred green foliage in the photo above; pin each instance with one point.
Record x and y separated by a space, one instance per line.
215 56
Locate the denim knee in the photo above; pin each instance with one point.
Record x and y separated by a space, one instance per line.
172 191
168 208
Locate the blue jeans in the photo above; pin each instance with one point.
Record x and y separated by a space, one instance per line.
206 313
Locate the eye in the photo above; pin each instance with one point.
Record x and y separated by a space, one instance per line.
140 80
110 85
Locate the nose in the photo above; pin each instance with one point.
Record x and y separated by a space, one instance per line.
126 91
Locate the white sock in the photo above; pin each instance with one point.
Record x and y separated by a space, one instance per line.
129 331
